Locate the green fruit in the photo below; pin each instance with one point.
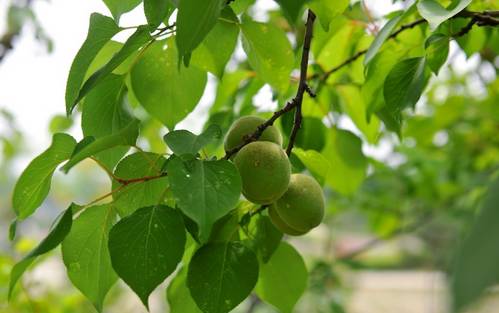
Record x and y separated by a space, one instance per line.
247 125
281 225
302 206
265 171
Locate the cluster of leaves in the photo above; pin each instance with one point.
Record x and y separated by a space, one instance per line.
185 208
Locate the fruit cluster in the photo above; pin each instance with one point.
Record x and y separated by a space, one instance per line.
296 202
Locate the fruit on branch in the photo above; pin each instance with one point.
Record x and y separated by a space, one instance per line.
302 205
247 125
281 225
265 171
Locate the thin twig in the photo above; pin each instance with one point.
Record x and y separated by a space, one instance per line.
378 240
485 18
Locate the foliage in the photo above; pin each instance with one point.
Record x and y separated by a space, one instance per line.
183 207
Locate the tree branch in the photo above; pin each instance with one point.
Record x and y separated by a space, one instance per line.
485 18
294 103
302 85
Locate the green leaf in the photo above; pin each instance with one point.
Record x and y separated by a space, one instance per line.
216 49
283 279
125 137
221 275
437 51
436 14
34 183
375 75
204 190
138 195
269 53
327 10
104 114
100 31
118 7
53 239
156 11
341 165
291 9
178 295
381 37
167 93
353 104
404 84
184 142
146 247
477 259
263 237
195 19
86 255
132 45
227 88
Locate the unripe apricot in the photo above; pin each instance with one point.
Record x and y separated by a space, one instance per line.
281 225
302 205
247 125
265 171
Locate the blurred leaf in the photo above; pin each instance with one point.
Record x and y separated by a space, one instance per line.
283 279
34 183
146 247
60 123
86 255
291 9
53 239
156 11
118 7
353 105
327 10
216 49
125 137
404 84
213 272
138 195
195 19
100 31
436 14
161 86
477 259
437 50
269 53
204 190
184 142
227 87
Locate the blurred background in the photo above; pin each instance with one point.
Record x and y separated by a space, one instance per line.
386 248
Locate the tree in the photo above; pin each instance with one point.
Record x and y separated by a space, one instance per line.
183 208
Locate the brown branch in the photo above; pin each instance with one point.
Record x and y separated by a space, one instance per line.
485 18
378 240
125 182
294 103
302 85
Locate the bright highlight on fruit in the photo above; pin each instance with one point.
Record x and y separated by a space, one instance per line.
247 125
